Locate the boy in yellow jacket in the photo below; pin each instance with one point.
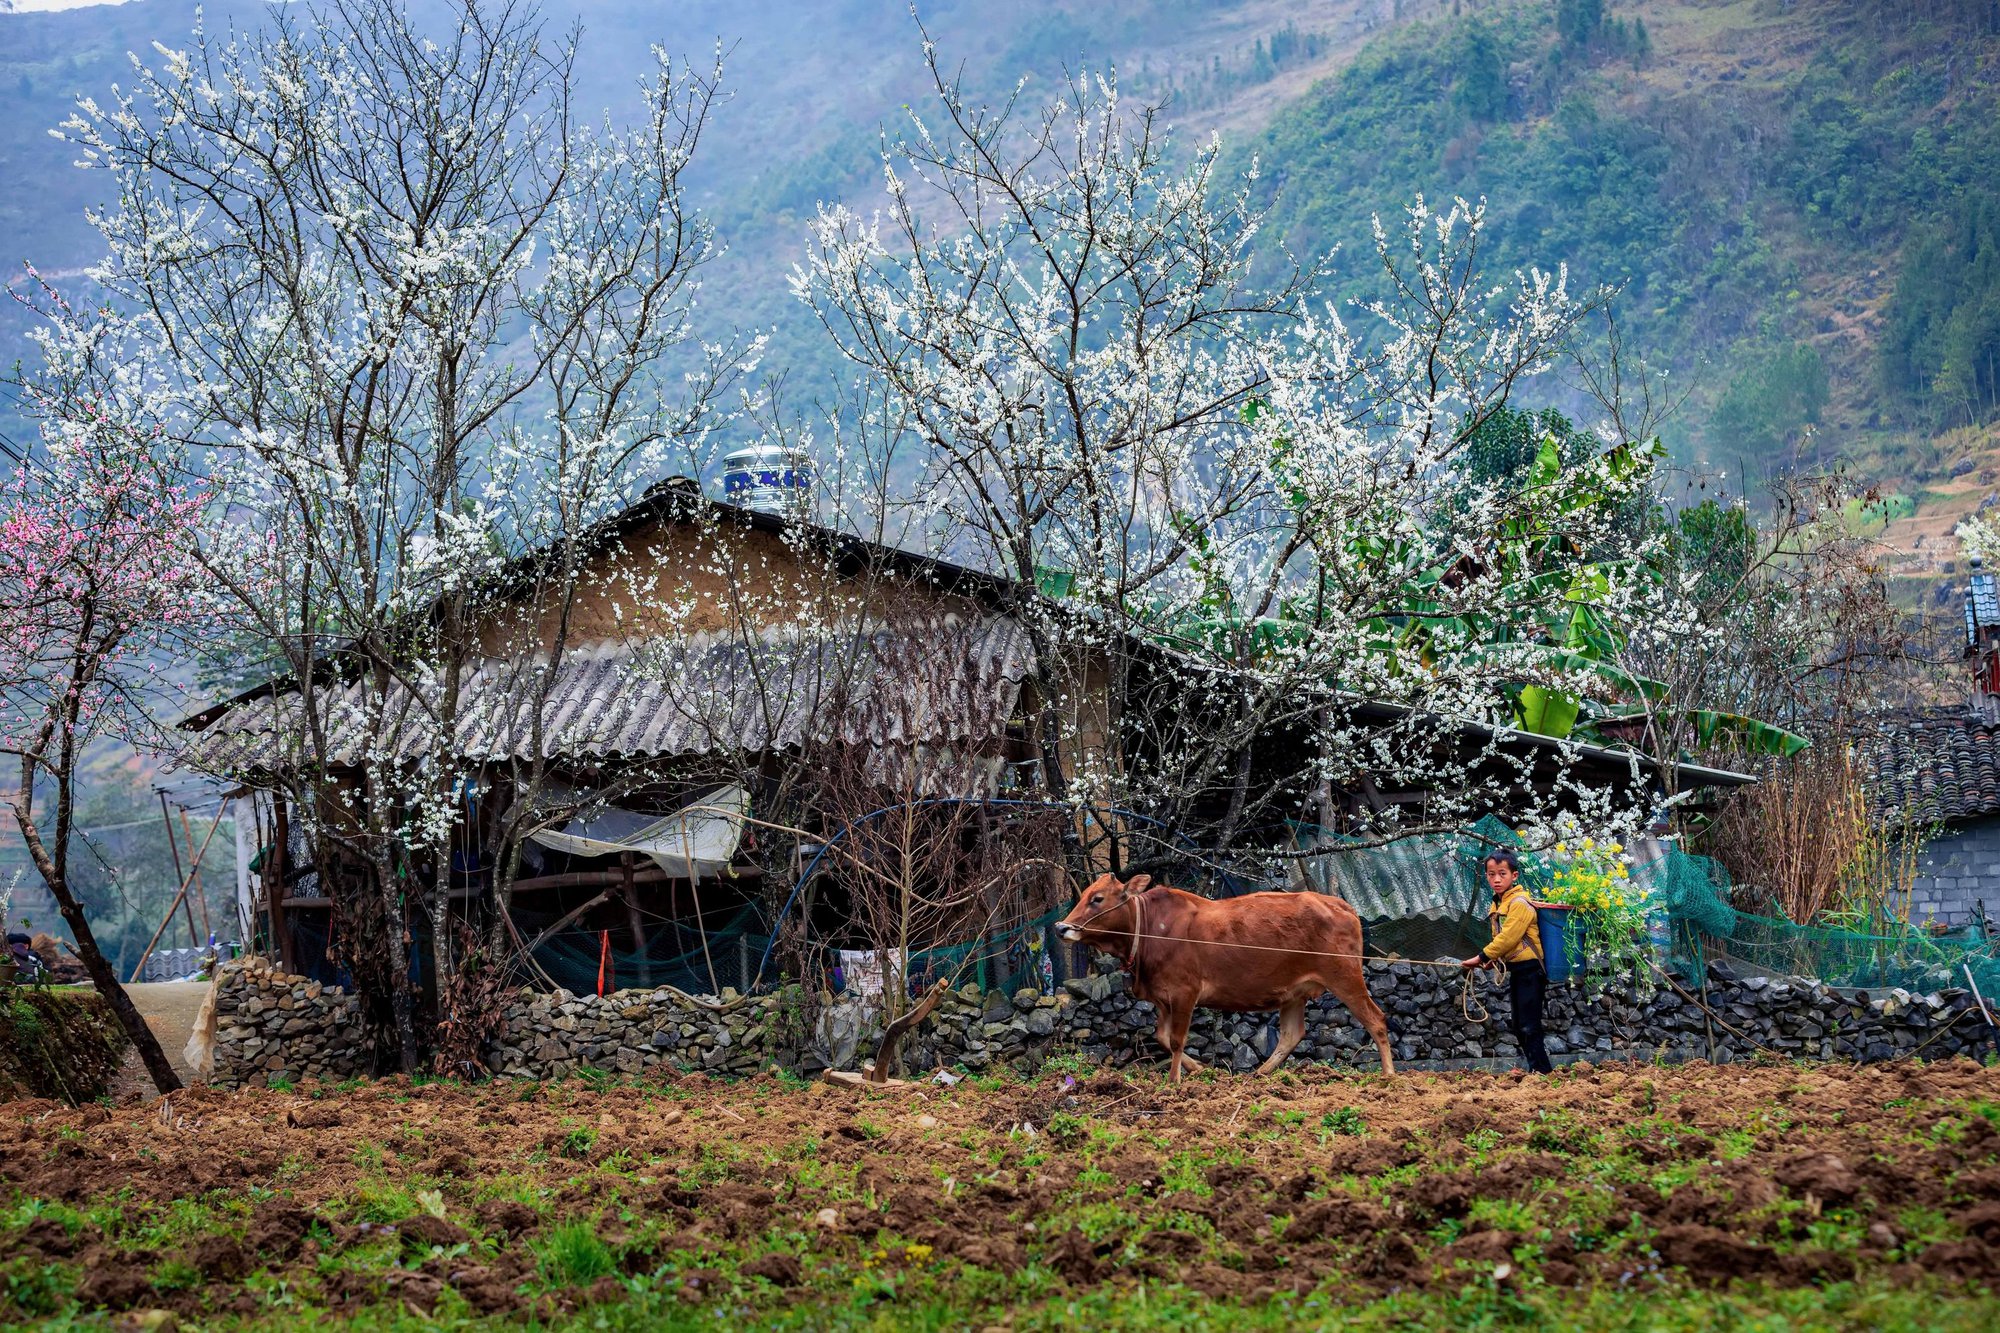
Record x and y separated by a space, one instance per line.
1517 942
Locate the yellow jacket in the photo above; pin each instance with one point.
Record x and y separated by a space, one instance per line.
1517 936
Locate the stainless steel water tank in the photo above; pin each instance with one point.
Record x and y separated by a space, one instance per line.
770 478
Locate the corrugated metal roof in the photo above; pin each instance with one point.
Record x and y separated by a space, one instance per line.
1982 604
1425 876
947 687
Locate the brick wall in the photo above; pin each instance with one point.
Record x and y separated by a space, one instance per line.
1955 871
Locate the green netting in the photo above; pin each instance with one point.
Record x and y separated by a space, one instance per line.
1910 957
1009 960
1692 890
672 956
1423 897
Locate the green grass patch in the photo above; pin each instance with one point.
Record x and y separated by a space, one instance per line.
573 1254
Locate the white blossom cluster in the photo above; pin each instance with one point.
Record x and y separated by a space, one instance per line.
1249 492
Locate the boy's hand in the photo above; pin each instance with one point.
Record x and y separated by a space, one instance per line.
1477 960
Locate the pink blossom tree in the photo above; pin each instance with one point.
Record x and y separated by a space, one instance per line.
96 586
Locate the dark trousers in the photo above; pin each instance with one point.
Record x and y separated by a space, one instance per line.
1526 982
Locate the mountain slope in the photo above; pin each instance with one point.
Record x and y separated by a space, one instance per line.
1798 195
1798 198
812 82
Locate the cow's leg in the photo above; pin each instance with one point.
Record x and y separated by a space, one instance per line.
1350 987
1291 1028
1171 1032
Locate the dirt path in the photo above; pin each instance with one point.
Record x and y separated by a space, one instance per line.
169 1008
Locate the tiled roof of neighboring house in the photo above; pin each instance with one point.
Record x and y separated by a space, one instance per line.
1935 769
943 691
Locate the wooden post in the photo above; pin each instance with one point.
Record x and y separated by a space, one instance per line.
892 1036
175 905
199 891
630 889
180 877
701 928
275 871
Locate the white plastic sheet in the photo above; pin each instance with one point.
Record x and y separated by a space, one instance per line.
694 842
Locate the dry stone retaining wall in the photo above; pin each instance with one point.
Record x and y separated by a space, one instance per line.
270 1025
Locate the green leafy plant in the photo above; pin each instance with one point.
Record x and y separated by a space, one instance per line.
1346 1122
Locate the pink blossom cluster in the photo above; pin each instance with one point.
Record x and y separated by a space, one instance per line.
97 576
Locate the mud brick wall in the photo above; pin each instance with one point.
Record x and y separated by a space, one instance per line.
271 1025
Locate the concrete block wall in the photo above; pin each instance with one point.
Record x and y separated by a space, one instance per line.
1956 871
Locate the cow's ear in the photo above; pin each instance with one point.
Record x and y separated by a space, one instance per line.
1137 885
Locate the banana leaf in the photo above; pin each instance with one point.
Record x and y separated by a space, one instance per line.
1709 724
1756 737
1547 712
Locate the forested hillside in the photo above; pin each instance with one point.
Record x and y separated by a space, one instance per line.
809 88
1799 196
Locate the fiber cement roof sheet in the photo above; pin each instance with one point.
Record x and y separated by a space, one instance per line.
952 683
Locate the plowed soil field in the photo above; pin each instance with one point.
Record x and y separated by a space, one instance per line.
1625 1196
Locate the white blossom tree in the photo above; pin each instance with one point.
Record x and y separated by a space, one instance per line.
413 312
1245 499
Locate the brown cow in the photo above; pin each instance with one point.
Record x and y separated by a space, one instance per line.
1259 952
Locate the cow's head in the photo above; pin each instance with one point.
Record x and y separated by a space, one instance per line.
1104 911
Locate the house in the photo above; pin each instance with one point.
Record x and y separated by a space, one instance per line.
1936 773
643 745
714 645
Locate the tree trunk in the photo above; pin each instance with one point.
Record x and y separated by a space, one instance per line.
94 961
401 1002
106 981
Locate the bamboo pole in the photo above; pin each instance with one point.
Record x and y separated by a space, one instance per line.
174 844
179 898
200 893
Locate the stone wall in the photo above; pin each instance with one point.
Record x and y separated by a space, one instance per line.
632 1031
270 1025
1428 1022
1956 871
